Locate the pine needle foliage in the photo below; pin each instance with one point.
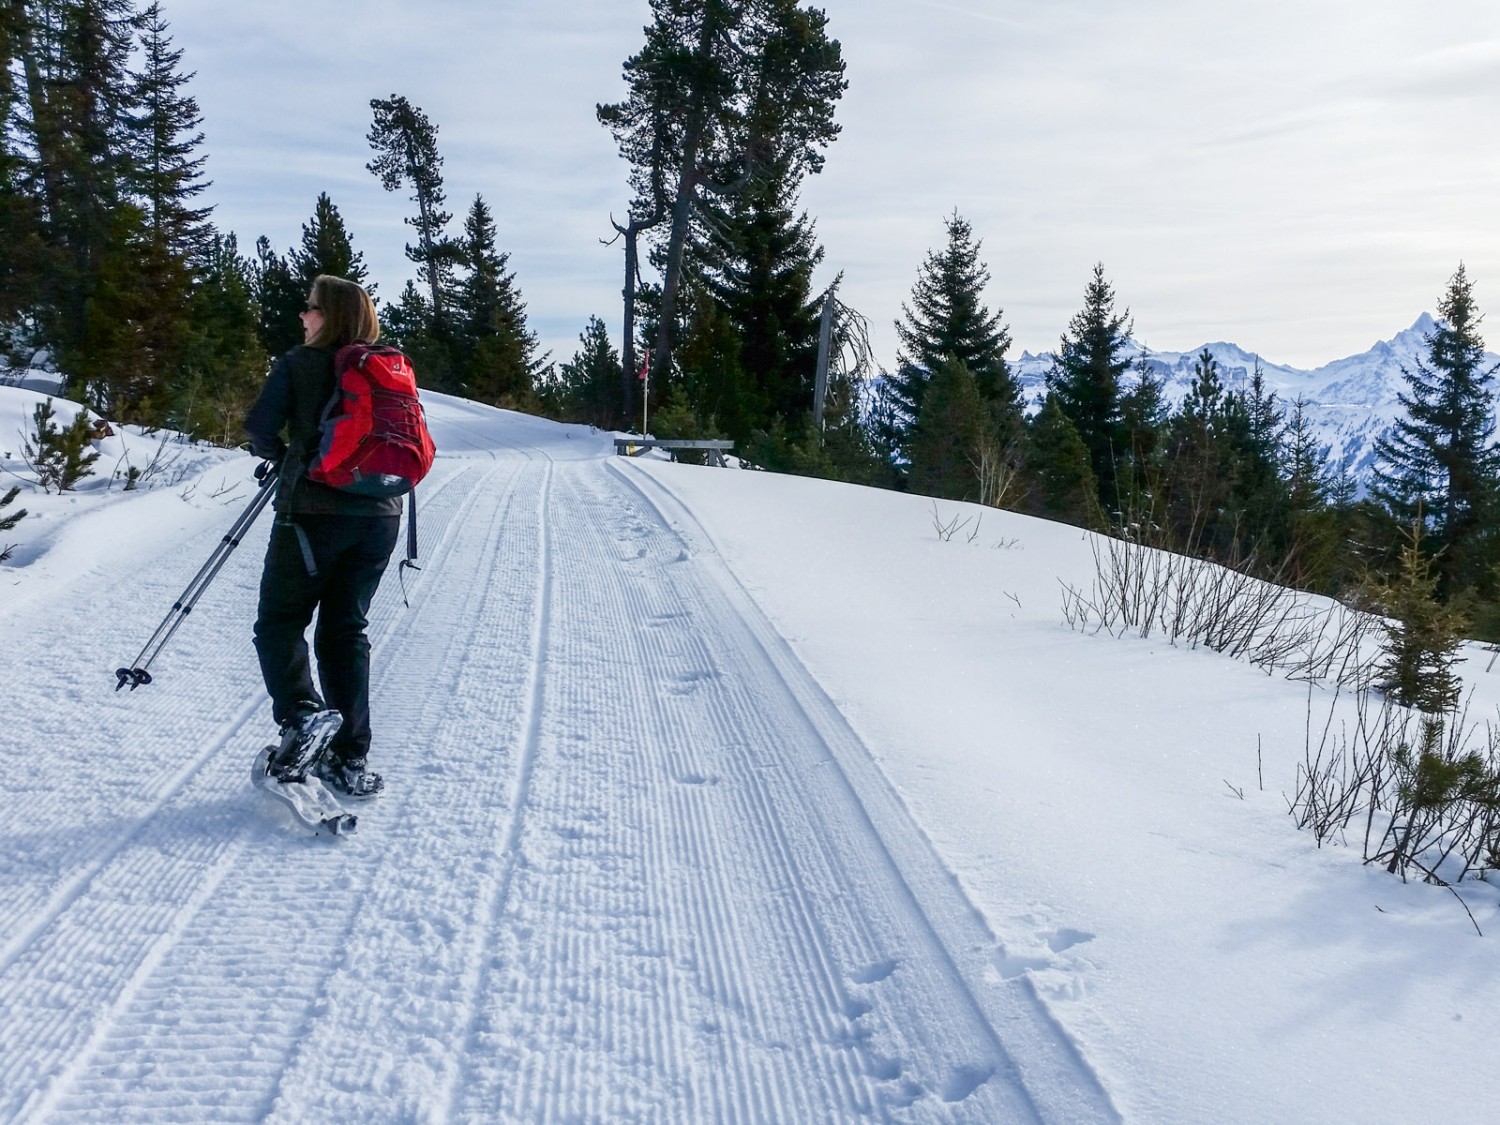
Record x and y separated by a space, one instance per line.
59 455
1440 459
1422 637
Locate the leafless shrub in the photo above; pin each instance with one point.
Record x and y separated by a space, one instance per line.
161 463
1153 592
946 531
1422 789
997 466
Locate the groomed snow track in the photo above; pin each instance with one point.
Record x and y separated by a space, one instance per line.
632 865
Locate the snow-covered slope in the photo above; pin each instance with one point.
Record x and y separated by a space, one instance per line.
1349 402
712 796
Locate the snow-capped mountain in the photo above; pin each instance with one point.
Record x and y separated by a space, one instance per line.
1350 402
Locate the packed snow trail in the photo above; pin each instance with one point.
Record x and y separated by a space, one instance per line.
631 864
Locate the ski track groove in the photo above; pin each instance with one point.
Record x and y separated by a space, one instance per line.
112 902
1034 1056
631 865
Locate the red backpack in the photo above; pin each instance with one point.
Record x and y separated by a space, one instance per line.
374 438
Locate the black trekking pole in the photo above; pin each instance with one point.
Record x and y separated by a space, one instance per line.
137 675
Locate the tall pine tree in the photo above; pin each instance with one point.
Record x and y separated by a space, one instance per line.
496 355
1086 375
758 264
1439 464
327 248
75 57
722 91
406 153
947 320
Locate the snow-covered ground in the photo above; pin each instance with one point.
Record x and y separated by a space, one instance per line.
712 796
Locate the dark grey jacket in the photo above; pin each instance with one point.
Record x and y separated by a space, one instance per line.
292 402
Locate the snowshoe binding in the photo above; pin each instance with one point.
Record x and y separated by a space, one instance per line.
348 777
303 740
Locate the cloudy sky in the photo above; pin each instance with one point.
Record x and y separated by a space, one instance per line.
1300 177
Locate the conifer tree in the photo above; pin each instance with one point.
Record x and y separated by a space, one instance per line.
1422 636
8 520
710 383
140 317
1143 414
495 353
589 384
721 91
1258 497
59 455
167 173
949 433
279 295
1202 465
1057 461
1310 533
75 61
224 362
948 320
20 212
326 248
1086 378
758 264
1440 459
406 153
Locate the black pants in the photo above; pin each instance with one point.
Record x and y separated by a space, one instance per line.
350 555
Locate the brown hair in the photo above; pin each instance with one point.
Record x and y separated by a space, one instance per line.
348 313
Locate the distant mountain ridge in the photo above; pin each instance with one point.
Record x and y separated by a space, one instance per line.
1349 402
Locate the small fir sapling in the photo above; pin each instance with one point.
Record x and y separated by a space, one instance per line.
60 456
1422 638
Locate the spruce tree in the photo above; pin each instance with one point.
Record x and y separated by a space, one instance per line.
710 383
75 61
224 363
949 434
948 320
1258 497
1310 534
167 173
1440 460
1200 459
326 248
20 211
1422 636
496 355
1086 375
589 384
1057 462
140 318
280 296
758 265
1143 414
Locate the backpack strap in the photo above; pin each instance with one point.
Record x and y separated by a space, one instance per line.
411 544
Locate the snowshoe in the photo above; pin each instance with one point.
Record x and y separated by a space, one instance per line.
303 741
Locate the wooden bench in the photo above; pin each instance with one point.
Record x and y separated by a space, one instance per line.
714 447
